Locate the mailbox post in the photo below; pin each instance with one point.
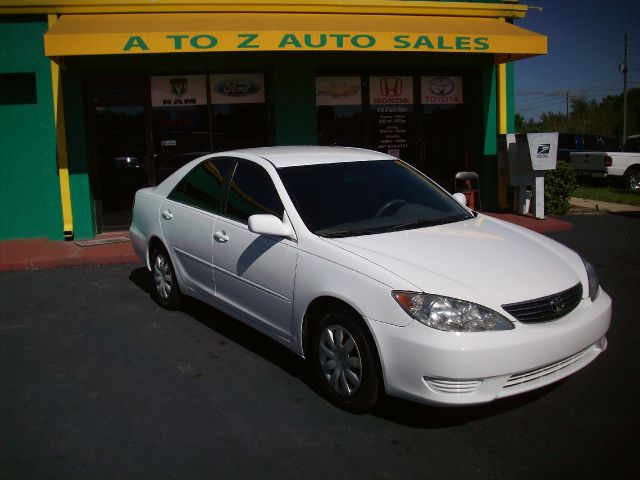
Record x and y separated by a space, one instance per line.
522 179
537 153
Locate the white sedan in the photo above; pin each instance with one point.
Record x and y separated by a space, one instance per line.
377 276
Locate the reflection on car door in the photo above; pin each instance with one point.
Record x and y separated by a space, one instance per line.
187 218
254 273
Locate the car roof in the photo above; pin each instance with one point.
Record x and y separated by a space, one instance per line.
294 156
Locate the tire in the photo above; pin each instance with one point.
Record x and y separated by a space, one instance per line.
344 362
632 179
164 289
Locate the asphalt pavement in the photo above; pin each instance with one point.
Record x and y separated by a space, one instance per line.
97 381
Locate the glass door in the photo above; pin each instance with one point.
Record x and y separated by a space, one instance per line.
120 156
120 126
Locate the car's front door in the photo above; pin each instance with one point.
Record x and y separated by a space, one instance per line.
254 273
188 216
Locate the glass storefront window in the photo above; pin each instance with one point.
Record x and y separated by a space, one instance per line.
239 126
443 143
180 121
340 125
180 135
339 111
239 111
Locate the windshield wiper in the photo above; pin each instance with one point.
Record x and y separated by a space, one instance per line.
424 222
343 232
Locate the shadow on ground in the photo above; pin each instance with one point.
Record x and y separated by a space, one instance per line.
635 215
394 410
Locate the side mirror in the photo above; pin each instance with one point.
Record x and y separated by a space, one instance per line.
461 198
269 225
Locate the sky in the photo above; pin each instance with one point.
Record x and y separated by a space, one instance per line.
586 46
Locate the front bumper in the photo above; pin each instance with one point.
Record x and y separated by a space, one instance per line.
447 368
139 243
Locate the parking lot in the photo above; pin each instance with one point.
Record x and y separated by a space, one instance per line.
97 381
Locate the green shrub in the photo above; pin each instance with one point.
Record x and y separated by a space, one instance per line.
558 186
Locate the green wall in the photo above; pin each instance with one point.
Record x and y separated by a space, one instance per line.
489 169
29 186
293 91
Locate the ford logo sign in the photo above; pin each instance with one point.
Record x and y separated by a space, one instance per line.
236 87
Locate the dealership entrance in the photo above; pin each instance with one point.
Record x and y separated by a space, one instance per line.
143 128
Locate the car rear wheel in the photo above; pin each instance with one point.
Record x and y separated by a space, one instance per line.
165 289
345 363
632 179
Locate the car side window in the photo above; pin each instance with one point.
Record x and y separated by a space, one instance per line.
632 145
203 187
566 140
252 192
591 142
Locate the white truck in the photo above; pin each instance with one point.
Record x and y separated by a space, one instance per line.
622 166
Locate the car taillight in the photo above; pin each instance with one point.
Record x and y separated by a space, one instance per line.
607 161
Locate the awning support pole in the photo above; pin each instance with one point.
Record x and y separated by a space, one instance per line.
502 129
61 145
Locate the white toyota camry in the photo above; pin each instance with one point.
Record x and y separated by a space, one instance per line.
377 276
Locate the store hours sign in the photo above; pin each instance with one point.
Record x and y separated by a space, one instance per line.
391 100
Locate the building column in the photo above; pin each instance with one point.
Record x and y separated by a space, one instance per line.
502 124
61 145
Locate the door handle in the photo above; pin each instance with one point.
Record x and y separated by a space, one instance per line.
221 236
167 215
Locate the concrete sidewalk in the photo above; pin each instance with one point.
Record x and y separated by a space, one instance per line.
585 205
40 253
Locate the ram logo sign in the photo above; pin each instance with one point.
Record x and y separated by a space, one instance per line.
185 90
178 86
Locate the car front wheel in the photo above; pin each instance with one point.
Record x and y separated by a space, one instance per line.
345 363
165 289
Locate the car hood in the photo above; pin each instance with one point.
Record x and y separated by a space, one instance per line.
482 260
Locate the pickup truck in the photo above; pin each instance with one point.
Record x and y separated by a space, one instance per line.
622 166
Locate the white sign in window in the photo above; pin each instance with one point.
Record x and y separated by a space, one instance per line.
333 91
178 90
390 90
237 88
441 90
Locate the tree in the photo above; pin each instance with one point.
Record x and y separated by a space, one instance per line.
602 117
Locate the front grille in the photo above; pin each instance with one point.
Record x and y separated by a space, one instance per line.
546 308
535 374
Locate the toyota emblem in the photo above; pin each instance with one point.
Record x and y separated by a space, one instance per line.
557 304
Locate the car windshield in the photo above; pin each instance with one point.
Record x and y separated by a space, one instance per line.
367 197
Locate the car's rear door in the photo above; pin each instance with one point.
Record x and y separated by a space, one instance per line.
254 274
187 218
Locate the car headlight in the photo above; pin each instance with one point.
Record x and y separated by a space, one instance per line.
594 284
450 314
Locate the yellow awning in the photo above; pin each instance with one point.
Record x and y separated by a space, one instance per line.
233 32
